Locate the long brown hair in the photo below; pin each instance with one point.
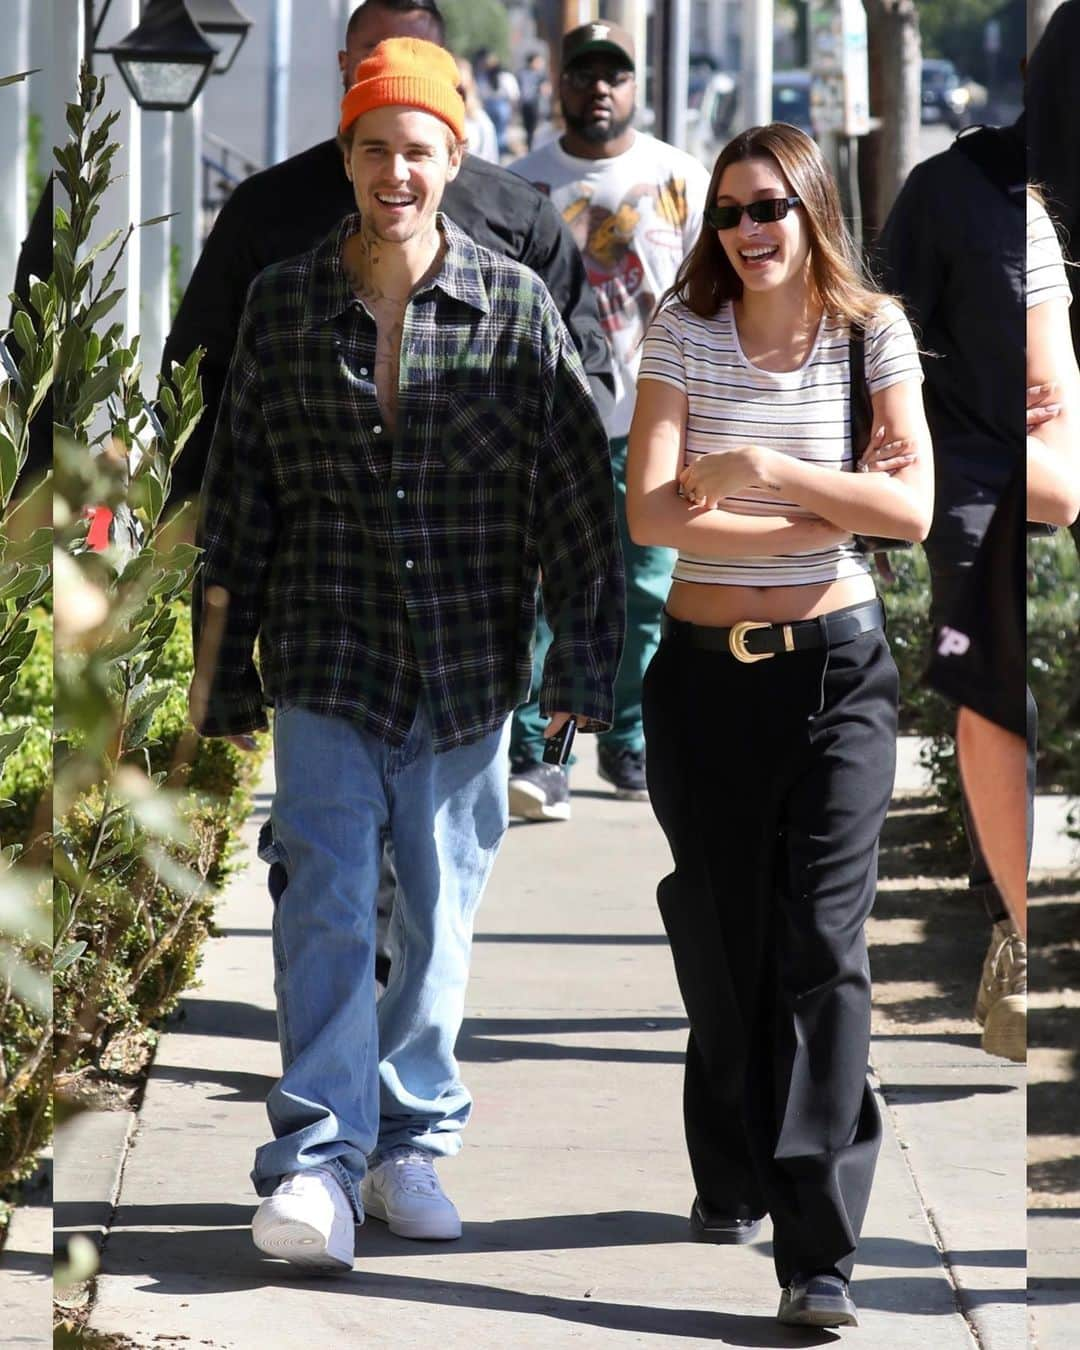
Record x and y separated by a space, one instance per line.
706 278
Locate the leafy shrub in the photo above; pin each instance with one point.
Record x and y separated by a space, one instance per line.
1054 657
24 779
922 711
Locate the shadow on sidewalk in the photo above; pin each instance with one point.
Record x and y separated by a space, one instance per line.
482 1040
217 1256
252 1274
898 1254
26 1263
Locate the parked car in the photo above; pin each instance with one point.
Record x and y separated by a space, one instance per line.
718 115
710 124
945 98
791 98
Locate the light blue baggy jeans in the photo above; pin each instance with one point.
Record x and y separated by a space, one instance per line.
357 1079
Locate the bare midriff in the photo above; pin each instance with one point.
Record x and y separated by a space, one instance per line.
722 606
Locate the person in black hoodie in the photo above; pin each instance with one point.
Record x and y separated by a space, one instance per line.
254 229
954 248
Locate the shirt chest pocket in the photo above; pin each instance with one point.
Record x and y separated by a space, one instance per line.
482 433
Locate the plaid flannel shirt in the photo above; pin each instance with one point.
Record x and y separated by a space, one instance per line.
376 569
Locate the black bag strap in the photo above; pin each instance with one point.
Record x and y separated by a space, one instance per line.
862 409
862 422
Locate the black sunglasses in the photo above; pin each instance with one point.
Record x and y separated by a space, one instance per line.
584 77
771 208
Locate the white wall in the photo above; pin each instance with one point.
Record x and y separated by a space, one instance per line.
235 105
14 110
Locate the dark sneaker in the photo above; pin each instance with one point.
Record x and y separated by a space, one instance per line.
625 771
710 1226
539 791
817 1301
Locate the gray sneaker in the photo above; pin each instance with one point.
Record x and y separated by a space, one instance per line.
539 791
817 1301
1001 1003
625 771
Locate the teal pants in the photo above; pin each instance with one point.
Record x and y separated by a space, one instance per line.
648 578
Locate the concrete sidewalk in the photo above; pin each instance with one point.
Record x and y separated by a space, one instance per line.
26 1271
573 1182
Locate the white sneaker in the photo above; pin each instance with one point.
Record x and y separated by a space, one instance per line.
308 1220
403 1190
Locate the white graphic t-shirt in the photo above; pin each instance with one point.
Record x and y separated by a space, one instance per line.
634 217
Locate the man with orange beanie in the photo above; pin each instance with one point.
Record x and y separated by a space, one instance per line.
406 437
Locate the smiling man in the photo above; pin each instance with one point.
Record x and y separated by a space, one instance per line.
406 437
634 205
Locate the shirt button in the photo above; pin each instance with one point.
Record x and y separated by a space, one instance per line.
363 370
377 430
401 494
409 564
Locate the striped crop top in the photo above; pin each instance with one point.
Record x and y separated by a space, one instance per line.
802 412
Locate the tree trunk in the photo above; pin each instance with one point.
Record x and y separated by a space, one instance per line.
889 154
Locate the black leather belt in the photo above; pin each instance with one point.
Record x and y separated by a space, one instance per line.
750 641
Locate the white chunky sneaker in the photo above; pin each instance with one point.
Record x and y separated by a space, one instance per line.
403 1190
1001 1005
308 1221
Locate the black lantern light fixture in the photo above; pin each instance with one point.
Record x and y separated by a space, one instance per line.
165 60
224 25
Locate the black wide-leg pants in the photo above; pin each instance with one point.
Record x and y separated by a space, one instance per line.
771 782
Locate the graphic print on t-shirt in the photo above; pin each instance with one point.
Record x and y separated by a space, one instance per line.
615 269
634 217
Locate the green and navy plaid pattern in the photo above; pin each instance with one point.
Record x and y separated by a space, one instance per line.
378 569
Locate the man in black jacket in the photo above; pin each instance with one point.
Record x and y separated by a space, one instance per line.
286 210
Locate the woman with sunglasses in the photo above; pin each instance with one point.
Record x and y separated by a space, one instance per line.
770 706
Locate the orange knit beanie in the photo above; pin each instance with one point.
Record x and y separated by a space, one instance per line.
406 73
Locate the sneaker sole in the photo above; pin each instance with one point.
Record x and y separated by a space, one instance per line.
1005 1030
419 1230
530 802
632 794
300 1244
818 1312
724 1237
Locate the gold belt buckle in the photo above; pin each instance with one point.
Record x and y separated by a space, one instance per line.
737 642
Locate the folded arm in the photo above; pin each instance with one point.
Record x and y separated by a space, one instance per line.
656 514
897 504
1053 448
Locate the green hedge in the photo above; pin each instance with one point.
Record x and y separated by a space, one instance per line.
25 782
144 935
1054 657
922 711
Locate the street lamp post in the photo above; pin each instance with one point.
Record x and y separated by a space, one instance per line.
164 60
224 25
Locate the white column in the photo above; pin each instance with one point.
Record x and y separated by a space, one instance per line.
44 87
757 65
277 122
154 308
68 45
678 72
14 111
121 204
187 187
